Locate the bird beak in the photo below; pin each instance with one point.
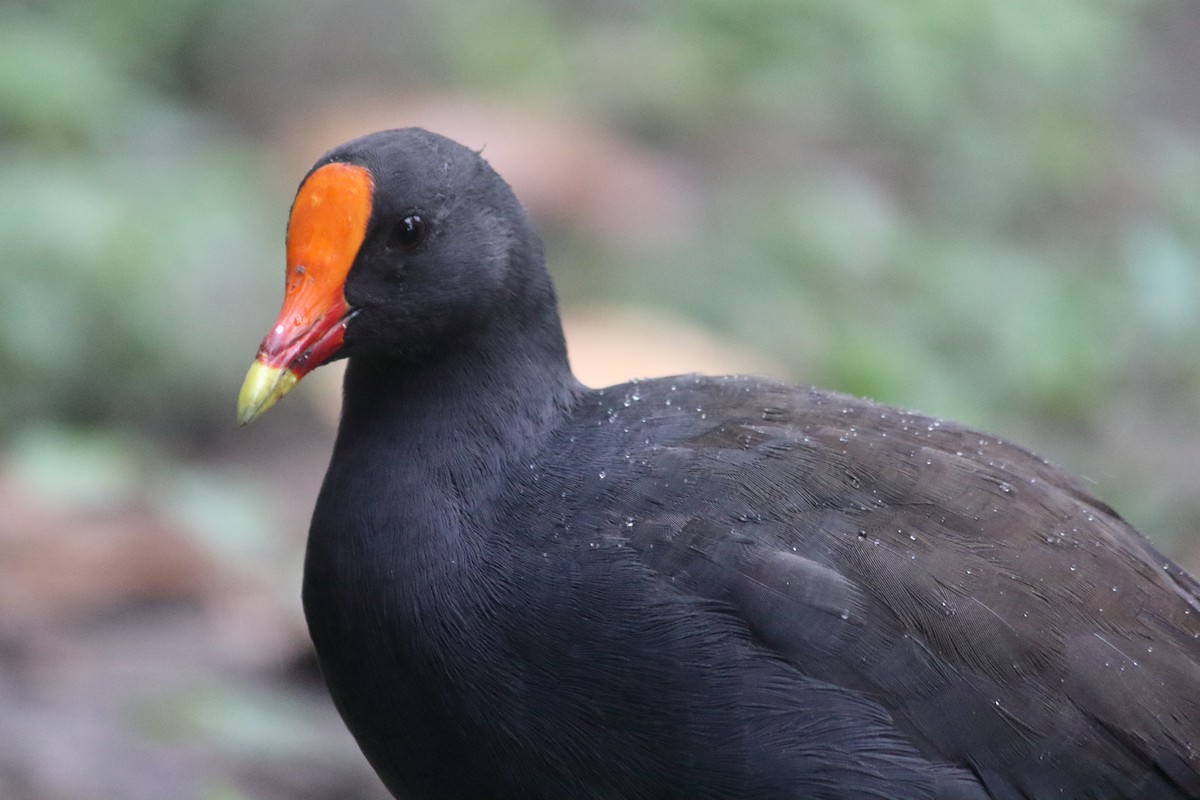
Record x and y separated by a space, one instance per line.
326 229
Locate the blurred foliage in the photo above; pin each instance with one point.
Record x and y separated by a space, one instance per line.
133 226
984 209
966 206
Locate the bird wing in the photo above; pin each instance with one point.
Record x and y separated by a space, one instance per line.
1008 619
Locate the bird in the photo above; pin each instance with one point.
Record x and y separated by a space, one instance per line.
707 587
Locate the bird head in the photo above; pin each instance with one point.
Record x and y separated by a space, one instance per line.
396 242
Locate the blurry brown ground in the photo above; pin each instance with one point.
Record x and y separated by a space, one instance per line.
144 656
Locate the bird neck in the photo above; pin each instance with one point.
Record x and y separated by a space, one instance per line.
423 450
469 410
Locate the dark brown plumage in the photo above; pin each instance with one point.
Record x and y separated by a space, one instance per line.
694 587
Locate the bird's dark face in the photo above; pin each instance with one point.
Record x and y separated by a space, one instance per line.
395 242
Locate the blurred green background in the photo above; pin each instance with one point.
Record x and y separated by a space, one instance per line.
987 210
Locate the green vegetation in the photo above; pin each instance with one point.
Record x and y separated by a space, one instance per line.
985 209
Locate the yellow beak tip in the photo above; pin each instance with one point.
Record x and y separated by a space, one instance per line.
263 386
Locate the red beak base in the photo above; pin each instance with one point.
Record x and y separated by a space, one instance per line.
326 229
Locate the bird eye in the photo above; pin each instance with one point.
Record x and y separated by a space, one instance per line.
408 234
